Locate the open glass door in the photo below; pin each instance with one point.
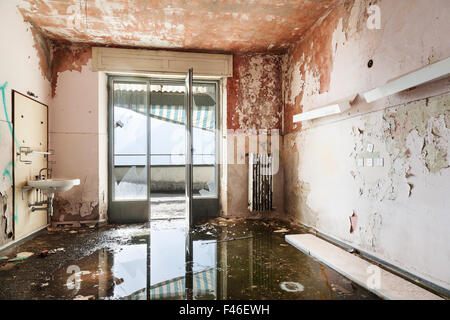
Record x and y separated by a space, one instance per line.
189 98
205 142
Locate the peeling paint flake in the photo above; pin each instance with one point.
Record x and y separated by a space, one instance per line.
254 93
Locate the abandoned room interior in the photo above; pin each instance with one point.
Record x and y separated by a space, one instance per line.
224 150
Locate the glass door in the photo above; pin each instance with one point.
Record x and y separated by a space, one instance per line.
163 149
205 142
129 144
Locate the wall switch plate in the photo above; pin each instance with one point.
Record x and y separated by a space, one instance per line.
360 162
370 147
369 162
379 162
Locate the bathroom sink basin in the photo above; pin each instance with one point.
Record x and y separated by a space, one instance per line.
50 186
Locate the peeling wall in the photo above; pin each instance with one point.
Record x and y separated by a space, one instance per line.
254 93
68 57
78 135
227 25
397 212
23 67
254 103
331 60
254 106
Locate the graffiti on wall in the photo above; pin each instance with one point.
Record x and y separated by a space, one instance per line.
6 175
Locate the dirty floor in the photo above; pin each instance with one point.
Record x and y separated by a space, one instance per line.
226 259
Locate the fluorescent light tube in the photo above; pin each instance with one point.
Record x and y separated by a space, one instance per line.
426 74
322 112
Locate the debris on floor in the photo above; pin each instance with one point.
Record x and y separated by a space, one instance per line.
43 253
228 239
46 252
106 262
7 267
21 256
337 287
84 298
292 286
283 230
56 250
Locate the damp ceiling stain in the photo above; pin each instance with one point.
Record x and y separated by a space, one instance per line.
228 25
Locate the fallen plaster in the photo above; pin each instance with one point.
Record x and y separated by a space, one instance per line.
369 276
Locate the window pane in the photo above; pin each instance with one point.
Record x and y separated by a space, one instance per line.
204 139
130 141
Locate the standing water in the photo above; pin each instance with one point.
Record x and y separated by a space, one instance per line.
221 259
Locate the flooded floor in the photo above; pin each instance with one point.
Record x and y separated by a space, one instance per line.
168 206
222 259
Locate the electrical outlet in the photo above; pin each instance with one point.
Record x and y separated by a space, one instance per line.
370 147
368 162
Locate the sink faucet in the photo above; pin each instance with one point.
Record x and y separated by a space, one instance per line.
41 176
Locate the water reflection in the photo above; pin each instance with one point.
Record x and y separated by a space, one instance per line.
241 261
180 268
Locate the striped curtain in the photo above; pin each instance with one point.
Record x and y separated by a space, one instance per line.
204 285
169 106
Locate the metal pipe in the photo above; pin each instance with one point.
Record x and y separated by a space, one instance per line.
33 209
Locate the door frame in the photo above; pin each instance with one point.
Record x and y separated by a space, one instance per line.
128 211
207 206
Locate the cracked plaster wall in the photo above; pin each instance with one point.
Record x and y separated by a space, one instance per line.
23 67
77 130
254 106
78 134
401 208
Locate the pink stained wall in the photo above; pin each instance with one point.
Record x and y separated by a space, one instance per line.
78 135
75 121
401 207
254 107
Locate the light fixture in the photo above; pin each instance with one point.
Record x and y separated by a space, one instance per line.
426 74
334 108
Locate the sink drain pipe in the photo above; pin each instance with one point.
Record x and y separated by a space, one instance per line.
49 208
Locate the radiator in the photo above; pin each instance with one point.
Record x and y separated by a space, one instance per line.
260 182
